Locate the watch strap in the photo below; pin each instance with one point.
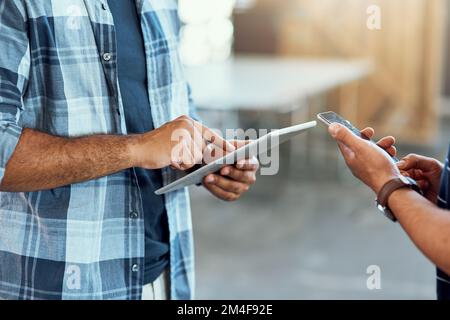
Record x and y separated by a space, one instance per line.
389 188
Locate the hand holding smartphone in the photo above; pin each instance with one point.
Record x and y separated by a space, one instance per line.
331 117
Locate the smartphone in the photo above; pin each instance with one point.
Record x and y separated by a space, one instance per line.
332 117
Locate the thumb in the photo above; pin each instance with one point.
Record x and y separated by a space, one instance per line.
344 136
414 161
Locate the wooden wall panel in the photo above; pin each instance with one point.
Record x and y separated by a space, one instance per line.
401 96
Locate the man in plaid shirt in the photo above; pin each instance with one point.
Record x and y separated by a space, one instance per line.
80 157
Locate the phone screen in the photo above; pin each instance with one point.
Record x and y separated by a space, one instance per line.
332 117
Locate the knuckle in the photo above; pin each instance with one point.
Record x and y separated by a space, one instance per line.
183 117
342 134
407 156
436 163
233 172
235 188
185 122
239 176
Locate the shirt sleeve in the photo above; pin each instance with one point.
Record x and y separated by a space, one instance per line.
14 73
192 107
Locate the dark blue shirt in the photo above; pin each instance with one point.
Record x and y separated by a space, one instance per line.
133 87
443 280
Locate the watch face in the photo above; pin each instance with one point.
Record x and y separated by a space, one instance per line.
386 212
381 208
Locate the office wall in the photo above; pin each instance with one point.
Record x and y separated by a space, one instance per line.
401 97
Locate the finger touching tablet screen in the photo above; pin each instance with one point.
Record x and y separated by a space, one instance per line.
253 149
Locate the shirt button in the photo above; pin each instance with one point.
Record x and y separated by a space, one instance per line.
107 56
135 268
134 215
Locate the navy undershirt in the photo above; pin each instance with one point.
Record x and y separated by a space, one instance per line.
443 279
133 87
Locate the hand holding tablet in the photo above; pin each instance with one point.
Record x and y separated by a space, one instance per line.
253 149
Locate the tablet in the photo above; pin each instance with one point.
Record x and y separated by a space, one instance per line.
253 149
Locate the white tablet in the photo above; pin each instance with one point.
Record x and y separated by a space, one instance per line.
253 149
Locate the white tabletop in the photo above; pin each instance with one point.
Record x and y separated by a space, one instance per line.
269 83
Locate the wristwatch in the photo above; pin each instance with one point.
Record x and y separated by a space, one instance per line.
389 188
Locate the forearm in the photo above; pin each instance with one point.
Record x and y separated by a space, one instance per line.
426 224
41 161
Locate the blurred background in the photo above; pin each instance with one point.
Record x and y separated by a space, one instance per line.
311 231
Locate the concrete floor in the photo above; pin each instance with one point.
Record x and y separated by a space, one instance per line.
303 236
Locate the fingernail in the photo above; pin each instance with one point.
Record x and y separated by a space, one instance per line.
226 171
210 179
401 164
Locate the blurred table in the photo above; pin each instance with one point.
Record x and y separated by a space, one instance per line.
271 92
269 83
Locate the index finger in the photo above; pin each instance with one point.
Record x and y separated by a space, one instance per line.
386 142
214 138
368 132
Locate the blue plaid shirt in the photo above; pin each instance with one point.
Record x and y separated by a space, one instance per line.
58 74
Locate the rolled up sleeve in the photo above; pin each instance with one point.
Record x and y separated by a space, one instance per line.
192 106
14 74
